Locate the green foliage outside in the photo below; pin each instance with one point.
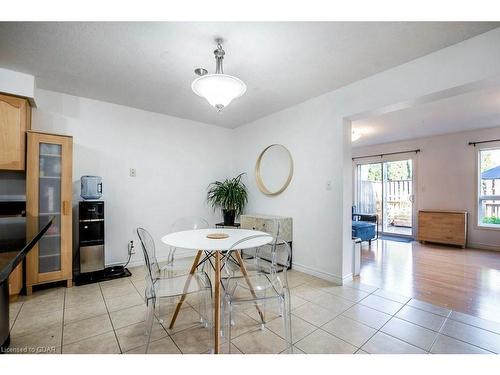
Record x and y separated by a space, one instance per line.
375 172
489 159
491 220
398 170
486 162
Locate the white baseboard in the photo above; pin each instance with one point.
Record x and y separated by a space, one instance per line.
322 274
483 246
140 261
299 267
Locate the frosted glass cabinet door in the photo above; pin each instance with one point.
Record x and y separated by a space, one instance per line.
49 192
49 203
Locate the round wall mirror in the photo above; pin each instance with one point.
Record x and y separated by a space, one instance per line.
274 169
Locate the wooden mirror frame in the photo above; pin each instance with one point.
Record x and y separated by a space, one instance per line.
258 177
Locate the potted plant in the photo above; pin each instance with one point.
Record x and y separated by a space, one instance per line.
229 195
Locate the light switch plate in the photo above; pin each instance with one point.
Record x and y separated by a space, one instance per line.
132 172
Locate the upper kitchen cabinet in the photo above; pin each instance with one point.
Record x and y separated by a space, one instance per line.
15 119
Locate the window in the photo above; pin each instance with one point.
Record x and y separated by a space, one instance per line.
489 187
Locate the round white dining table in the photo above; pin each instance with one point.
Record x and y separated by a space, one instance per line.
198 241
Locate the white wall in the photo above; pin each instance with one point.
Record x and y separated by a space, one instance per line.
175 160
17 83
317 132
109 139
316 147
446 177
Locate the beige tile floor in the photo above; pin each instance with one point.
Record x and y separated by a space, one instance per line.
109 318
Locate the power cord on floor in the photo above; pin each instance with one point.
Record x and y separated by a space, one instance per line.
130 252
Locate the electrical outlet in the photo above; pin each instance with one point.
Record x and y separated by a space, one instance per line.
131 248
132 172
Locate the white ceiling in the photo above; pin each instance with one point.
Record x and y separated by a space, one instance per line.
473 110
150 65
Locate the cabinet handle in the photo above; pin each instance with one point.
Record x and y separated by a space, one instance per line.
65 207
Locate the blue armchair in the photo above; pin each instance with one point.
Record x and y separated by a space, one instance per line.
364 226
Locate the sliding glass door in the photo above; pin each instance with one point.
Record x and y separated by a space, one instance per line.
398 197
386 188
369 199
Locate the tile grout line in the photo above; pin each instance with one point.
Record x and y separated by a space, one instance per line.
437 334
171 336
383 325
110 320
316 328
102 333
31 333
15 319
454 338
62 330
340 314
242 352
473 325
249 331
439 331
446 318
468 343
354 320
320 327
158 320
391 317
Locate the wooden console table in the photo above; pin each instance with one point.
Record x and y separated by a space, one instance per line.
441 226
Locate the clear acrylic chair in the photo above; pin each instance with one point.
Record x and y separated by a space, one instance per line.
184 223
262 261
173 289
265 282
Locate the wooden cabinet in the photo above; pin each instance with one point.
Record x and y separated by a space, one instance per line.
16 280
49 192
446 227
15 119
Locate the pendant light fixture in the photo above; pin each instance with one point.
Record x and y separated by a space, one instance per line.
218 89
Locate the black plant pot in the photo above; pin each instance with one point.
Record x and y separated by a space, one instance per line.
229 216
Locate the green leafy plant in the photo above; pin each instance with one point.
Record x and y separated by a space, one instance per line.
230 194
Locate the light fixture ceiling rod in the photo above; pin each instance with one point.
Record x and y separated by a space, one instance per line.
219 57
218 89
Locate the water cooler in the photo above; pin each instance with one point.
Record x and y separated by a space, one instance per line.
91 248
91 235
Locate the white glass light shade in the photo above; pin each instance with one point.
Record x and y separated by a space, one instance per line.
219 89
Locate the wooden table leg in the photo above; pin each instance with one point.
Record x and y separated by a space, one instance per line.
247 279
186 287
217 283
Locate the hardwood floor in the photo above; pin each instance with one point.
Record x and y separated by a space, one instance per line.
466 280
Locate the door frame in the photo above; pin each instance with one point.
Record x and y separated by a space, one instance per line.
388 158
